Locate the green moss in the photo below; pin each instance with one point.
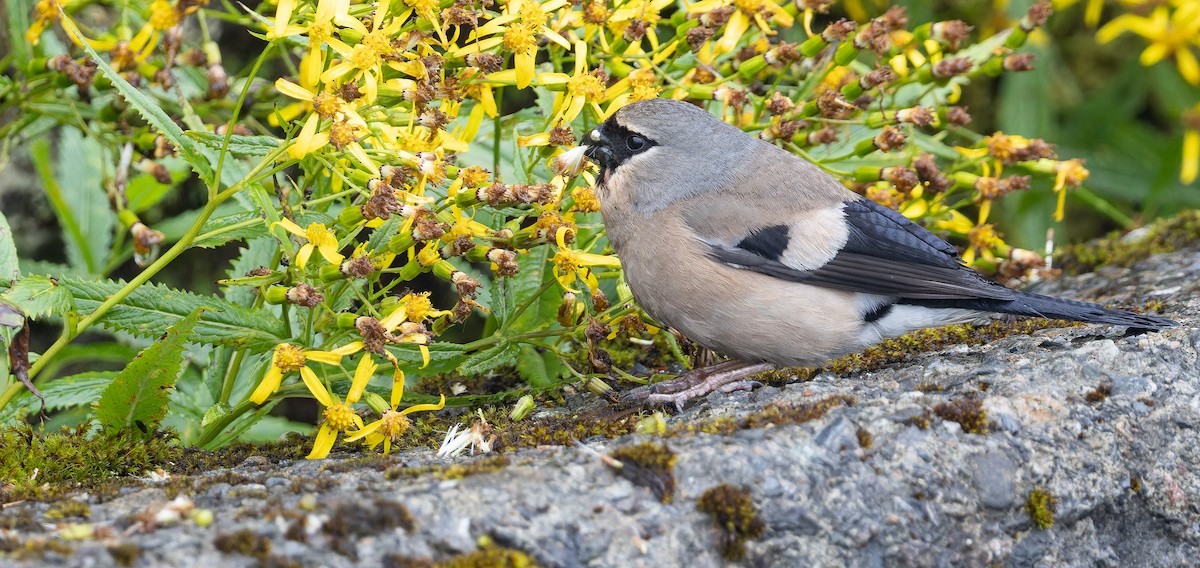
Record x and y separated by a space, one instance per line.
1040 505
490 557
968 412
124 553
650 465
922 420
775 413
734 513
1164 235
245 542
67 509
485 464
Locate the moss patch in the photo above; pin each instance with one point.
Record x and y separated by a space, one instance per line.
1040 505
650 465
490 557
775 413
485 464
1163 235
734 513
967 412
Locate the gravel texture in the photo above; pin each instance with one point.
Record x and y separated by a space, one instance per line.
1102 422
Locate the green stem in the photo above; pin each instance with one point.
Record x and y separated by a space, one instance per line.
235 368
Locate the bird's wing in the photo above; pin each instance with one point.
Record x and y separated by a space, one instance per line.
884 253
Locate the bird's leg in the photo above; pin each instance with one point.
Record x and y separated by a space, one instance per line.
727 377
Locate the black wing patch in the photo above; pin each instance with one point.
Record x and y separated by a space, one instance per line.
767 242
885 254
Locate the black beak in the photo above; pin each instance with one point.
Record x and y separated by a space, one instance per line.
598 149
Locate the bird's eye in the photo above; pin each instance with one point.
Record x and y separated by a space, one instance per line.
635 142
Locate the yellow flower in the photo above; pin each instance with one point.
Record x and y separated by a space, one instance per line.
319 238
1068 174
339 417
287 359
582 88
571 264
517 30
1191 145
391 425
1168 34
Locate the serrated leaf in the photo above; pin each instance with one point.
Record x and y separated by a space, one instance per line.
443 357
40 296
150 110
237 227
496 356
382 234
238 144
76 390
147 312
10 269
138 396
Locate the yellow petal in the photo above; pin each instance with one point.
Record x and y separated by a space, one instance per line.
303 255
425 407
1189 69
523 65
316 387
268 385
364 432
362 376
331 254
323 443
282 15
326 357
293 90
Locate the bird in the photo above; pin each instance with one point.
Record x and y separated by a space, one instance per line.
759 255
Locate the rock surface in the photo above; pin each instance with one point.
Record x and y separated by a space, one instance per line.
862 485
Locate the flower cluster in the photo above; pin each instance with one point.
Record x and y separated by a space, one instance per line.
416 154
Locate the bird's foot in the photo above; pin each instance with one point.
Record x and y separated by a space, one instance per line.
726 377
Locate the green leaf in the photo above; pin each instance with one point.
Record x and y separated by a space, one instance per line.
138 396
75 390
151 110
241 145
40 296
496 356
147 312
272 429
443 357
72 183
536 271
17 16
538 369
9 267
382 234
145 192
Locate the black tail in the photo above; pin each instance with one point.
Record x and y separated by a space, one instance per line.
1036 305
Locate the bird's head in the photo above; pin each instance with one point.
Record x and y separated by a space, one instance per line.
659 150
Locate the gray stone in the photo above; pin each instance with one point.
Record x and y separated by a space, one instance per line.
1122 471
994 473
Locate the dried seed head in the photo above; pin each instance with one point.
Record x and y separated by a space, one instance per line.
1037 15
826 135
359 267
951 67
930 175
831 104
917 115
958 116
304 295
697 36
383 202
486 62
465 285
890 138
779 104
1019 62
877 77
952 33
839 30
374 335
636 30
717 18
902 178
505 261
